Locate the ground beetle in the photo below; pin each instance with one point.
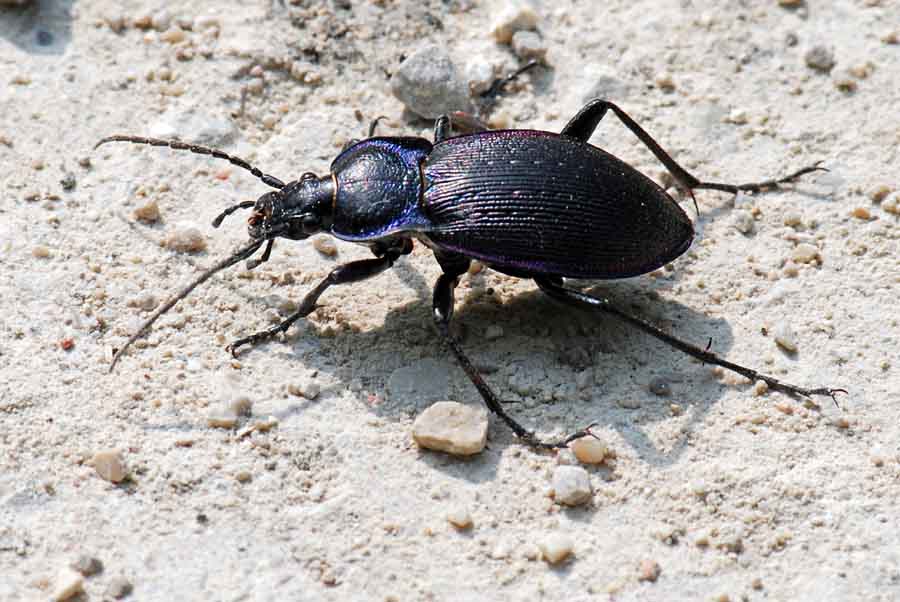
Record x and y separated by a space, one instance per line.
527 203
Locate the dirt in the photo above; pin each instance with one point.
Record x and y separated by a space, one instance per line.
716 489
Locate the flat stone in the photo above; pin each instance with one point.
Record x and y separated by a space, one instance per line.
109 465
452 427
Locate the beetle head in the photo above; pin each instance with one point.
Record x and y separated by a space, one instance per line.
297 211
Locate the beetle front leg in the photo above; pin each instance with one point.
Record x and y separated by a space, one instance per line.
554 288
343 274
443 312
585 122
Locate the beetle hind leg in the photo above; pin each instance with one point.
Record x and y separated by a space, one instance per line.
443 312
588 118
555 288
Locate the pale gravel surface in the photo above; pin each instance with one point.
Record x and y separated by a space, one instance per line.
734 495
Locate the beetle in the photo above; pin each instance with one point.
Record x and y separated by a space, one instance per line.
527 203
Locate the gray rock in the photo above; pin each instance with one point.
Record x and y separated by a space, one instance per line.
430 85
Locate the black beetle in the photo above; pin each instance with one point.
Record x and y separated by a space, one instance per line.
527 203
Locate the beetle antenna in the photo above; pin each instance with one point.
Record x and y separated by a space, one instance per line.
200 150
218 221
225 263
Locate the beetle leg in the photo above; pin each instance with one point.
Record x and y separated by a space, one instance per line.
458 121
443 312
441 128
343 274
554 288
585 122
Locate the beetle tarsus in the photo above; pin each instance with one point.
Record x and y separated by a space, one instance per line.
554 287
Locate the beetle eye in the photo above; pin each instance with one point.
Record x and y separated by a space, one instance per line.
310 224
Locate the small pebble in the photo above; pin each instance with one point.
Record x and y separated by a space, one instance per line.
589 450
110 465
556 547
186 238
571 485
325 246
820 58
792 219
528 46
629 404
68 182
743 221
861 213
144 300
479 75
649 570
68 584
40 251
513 16
844 81
785 337
241 405
660 386
493 332
460 518
892 204
430 85
119 587
221 416
243 476
805 253
147 213
879 193
87 565
451 427
173 35
307 388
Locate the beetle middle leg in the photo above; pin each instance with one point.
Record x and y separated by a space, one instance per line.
554 287
585 122
343 274
443 312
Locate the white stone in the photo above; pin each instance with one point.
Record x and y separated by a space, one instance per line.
589 450
109 465
186 238
460 518
571 485
785 337
452 427
805 253
68 584
556 547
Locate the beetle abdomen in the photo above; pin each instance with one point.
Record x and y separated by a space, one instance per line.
541 203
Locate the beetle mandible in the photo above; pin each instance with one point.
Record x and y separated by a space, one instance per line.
527 203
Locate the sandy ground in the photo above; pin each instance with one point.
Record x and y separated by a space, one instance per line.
734 493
